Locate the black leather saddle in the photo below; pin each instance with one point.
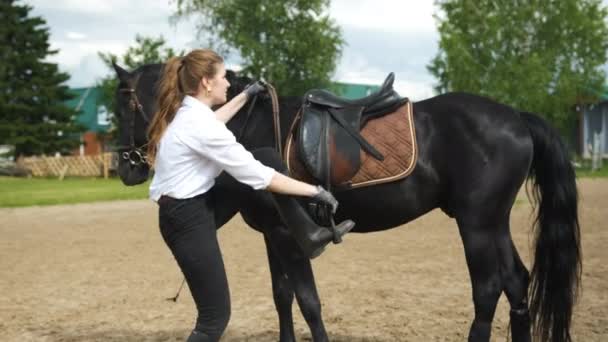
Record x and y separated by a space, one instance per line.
329 139
380 102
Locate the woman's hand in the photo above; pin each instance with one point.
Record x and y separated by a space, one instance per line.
283 184
325 196
254 88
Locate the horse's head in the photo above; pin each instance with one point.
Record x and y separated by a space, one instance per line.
135 105
237 83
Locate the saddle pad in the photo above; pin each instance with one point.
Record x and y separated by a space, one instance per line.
393 135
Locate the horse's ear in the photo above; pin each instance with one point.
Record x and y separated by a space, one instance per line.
122 74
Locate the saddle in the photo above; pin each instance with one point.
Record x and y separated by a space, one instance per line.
328 141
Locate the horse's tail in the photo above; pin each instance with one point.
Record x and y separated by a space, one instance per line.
556 273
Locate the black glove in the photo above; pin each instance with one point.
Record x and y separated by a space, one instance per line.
254 88
326 197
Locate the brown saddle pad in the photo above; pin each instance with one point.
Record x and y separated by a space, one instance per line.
393 135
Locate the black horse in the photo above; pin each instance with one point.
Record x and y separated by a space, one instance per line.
474 155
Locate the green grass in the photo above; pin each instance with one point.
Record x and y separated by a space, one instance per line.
587 173
23 192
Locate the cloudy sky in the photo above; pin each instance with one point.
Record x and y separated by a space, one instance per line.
402 39
381 36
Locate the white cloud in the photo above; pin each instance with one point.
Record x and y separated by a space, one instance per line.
89 6
72 53
81 29
102 7
75 35
88 71
384 15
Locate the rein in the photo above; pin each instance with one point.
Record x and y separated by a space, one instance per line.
275 117
247 117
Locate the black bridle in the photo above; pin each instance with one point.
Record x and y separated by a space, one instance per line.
135 155
247 116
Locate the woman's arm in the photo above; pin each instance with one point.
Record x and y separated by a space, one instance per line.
227 111
289 186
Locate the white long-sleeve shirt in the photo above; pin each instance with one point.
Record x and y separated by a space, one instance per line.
195 148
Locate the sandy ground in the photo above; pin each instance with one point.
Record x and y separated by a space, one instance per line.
100 272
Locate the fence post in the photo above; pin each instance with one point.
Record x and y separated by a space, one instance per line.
104 159
601 148
63 171
597 153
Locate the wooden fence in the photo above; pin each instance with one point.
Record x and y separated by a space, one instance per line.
88 166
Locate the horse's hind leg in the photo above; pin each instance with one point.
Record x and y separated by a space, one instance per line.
282 291
515 279
482 257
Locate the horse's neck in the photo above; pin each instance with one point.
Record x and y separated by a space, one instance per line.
288 109
262 123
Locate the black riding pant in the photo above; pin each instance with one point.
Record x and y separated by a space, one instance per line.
189 230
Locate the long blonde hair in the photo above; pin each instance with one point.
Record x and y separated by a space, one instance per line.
181 76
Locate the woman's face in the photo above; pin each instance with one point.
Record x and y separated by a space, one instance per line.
219 86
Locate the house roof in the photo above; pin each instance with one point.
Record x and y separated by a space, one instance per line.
353 90
87 102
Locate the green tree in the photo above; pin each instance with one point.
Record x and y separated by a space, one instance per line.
33 116
291 43
536 55
145 51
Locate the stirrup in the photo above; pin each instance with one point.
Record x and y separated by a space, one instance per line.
340 230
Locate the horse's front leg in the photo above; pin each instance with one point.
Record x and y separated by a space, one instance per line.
298 271
291 270
258 211
282 291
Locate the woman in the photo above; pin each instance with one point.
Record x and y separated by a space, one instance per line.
189 146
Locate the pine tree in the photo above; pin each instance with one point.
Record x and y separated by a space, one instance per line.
33 116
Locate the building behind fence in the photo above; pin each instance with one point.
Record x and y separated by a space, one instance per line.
87 166
594 130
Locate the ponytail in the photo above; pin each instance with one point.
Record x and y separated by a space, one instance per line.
181 76
169 98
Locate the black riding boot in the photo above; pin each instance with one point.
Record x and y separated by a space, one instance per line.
311 237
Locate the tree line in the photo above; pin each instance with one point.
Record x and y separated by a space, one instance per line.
543 56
